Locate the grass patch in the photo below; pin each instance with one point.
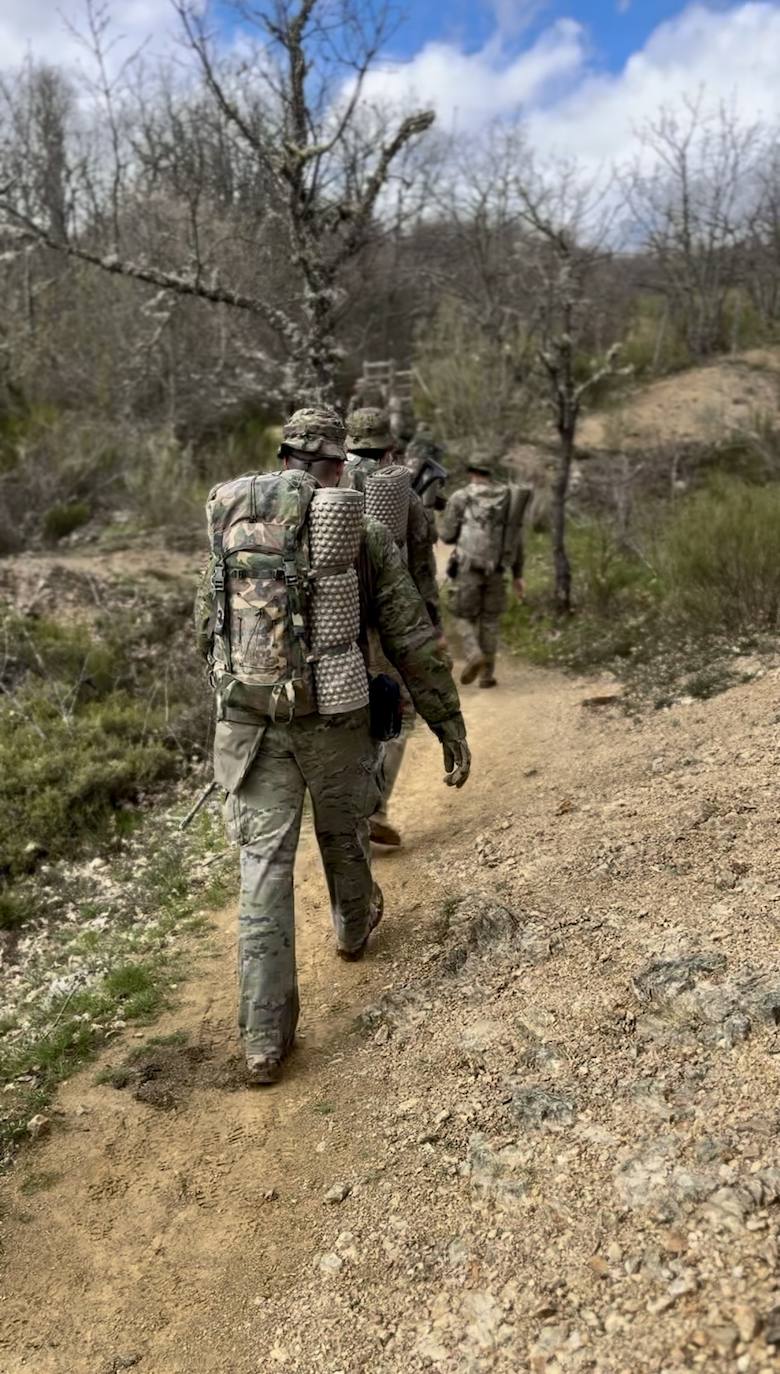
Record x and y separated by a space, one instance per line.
616 596
323 1108
13 909
87 990
113 1078
702 587
62 519
719 556
92 719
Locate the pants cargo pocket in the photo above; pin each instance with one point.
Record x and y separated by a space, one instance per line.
233 818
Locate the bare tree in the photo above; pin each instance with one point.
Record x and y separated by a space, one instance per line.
295 103
569 224
761 253
688 195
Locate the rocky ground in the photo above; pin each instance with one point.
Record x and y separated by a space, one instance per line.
536 1130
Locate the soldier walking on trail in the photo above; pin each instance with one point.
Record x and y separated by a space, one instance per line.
371 449
297 579
423 457
484 521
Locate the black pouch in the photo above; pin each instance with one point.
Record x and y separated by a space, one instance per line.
452 566
384 706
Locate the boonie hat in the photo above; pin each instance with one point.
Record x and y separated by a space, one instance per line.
369 428
316 430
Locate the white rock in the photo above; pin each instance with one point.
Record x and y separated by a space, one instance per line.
338 1193
38 1125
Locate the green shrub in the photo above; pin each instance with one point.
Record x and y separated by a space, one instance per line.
61 520
719 557
615 595
62 780
653 341
91 718
13 909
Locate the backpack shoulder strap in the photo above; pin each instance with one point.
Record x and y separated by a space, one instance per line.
220 595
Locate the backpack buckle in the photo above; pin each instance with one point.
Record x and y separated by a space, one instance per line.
286 690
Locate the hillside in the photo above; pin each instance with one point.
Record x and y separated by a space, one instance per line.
701 403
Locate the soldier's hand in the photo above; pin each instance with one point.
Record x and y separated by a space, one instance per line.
457 763
445 652
519 586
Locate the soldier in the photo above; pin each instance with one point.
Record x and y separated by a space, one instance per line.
266 759
423 458
371 446
484 521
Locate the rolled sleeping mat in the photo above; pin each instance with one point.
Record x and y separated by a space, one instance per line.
335 527
335 531
341 682
335 611
387 499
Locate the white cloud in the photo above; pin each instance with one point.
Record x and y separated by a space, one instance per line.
40 28
469 89
570 107
731 55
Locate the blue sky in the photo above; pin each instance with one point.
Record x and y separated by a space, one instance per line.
616 29
581 74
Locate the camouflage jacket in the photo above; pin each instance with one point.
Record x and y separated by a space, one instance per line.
390 605
419 547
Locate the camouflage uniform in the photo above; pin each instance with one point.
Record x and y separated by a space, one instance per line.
479 592
369 430
266 768
421 453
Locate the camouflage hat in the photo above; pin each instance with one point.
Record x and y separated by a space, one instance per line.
318 430
369 428
485 462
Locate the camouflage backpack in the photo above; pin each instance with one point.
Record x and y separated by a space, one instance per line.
483 529
260 560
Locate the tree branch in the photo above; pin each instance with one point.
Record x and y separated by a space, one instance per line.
154 276
412 127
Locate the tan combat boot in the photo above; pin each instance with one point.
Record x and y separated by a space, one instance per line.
262 1070
381 831
472 667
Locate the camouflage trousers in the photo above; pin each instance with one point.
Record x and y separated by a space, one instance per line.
478 602
335 759
393 750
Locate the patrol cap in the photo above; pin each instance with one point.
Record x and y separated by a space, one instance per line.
369 428
316 430
484 463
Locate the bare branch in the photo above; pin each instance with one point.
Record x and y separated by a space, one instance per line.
154 276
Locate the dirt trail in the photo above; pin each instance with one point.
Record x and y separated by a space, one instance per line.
486 1228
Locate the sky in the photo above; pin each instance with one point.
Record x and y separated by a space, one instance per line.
583 73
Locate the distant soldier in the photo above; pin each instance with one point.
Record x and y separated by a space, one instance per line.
292 703
370 450
402 422
366 392
484 521
423 457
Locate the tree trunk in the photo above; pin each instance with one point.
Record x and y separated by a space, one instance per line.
560 556
319 359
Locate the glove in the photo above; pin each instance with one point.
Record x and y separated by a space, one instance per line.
457 762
